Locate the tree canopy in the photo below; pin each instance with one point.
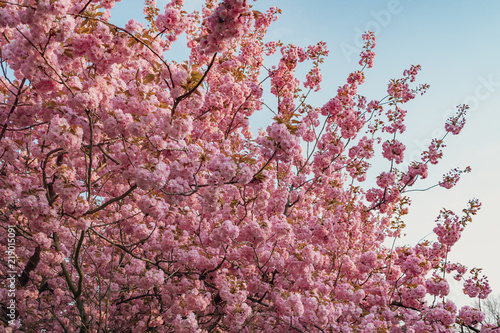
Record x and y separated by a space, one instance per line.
134 196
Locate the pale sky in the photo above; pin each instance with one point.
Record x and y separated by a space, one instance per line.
457 45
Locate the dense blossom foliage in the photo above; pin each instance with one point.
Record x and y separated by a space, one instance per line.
141 200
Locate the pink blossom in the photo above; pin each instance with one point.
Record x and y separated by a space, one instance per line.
313 79
455 124
437 286
451 178
226 232
393 150
470 316
434 153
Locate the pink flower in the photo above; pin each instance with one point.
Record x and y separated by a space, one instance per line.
226 232
313 79
228 22
451 178
386 179
434 153
367 55
293 306
393 150
470 316
455 124
437 286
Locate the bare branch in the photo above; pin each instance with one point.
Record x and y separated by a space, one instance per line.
110 201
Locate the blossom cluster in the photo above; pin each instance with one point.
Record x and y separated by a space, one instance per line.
228 22
367 55
456 123
451 178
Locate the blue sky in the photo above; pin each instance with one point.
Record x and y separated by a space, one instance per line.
457 45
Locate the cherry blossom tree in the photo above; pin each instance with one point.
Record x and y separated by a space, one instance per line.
141 200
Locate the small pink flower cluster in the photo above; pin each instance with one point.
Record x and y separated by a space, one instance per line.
415 169
63 134
270 48
434 153
412 72
306 128
476 286
280 141
451 178
470 316
179 128
222 168
367 55
455 124
437 286
332 108
367 261
454 127
153 207
231 290
461 270
313 79
374 106
263 20
393 150
386 179
292 306
364 149
226 232
449 231
415 265
400 90
171 21
152 177
396 121
442 317
228 22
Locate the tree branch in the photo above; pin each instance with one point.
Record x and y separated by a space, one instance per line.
186 95
21 85
110 201
30 266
